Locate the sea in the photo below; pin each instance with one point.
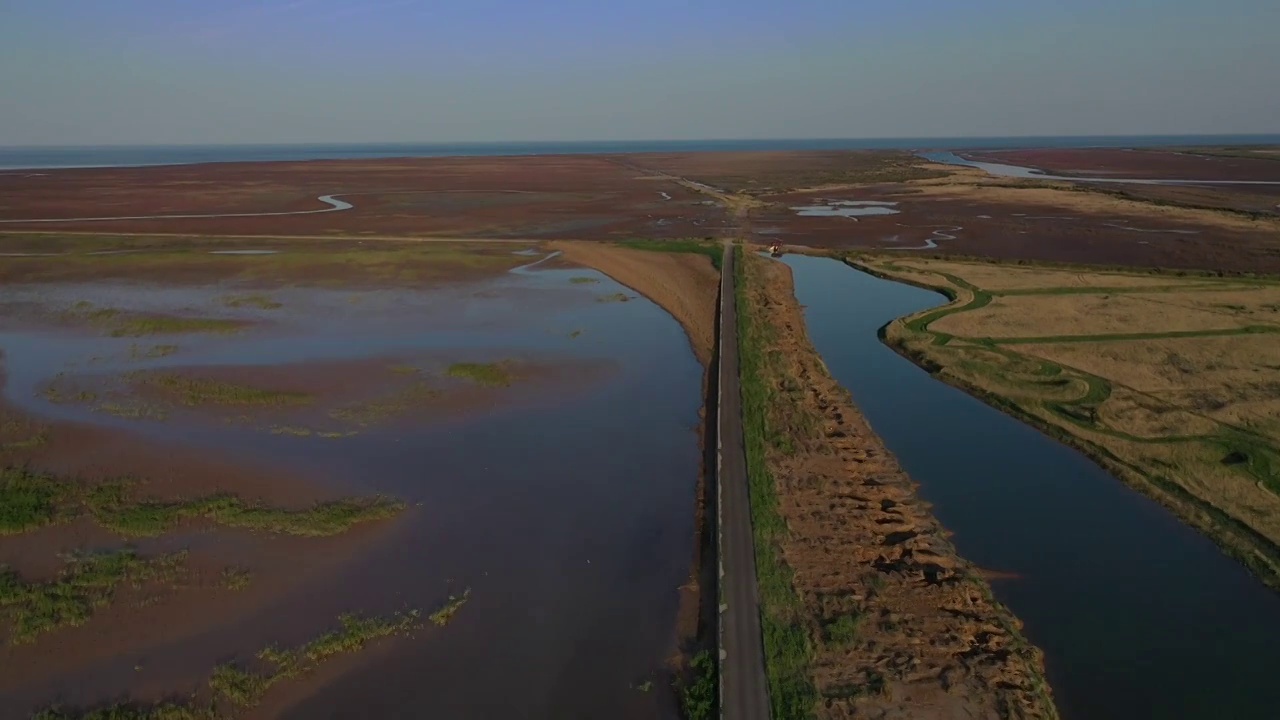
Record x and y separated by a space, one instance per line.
48 157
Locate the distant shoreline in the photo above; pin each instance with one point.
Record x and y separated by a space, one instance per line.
72 157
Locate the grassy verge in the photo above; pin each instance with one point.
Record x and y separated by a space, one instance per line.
698 247
786 643
698 693
30 500
86 584
487 374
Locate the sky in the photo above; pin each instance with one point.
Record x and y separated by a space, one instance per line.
90 72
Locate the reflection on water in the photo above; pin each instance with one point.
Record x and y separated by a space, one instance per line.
570 518
1139 615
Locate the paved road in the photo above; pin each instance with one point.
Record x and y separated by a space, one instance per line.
743 688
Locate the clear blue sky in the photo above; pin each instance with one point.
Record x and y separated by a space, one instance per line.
232 71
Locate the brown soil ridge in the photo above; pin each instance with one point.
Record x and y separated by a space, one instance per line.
931 641
683 284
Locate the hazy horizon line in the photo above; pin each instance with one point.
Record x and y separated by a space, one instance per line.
646 140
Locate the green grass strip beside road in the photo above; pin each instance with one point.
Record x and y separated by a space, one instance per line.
786 641
698 247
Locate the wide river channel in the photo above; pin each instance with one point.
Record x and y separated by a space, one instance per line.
1139 615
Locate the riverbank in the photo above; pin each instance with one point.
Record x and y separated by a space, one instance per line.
866 607
1175 404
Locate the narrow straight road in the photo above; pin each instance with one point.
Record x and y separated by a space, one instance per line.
744 693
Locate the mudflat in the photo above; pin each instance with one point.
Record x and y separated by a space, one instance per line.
231 484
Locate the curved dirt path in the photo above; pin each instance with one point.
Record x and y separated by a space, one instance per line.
335 205
683 284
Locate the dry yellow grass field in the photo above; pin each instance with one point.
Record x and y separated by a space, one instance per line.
1023 316
997 277
1171 382
1062 196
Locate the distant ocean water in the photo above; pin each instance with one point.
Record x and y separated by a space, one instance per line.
31 158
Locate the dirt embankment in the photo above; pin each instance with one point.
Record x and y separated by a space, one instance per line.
899 625
683 284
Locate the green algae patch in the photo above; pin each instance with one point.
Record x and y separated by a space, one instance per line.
261 302
487 374
110 505
237 687
31 500
194 391
86 584
160 325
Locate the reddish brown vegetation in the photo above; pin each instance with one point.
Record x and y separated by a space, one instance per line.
996 227
536 197
761 172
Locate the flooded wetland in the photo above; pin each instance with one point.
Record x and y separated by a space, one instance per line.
345 479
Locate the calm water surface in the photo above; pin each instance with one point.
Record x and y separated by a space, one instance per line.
1139 615
569 516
